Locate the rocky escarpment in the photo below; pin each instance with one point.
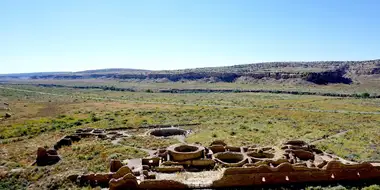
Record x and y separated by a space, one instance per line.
315 72
335 76
315 77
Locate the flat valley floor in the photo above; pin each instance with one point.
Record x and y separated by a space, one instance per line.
34 116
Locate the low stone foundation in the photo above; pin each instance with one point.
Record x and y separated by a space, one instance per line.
295 162
231 159
166 132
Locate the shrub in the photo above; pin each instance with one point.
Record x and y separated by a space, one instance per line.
14 183
365 95
77 123
372 187
7 115
61 116
94 118
362 95
243 127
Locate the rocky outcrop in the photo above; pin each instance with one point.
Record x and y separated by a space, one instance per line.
327 77
322 72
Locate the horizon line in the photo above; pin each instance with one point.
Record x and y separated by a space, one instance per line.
151 70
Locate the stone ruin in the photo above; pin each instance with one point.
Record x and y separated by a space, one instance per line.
47 157
184 166
166 132
50 156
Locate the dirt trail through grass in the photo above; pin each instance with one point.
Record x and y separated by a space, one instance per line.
188 104
329 137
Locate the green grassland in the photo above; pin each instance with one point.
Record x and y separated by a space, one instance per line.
42 115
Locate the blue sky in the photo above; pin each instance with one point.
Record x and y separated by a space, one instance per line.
73 35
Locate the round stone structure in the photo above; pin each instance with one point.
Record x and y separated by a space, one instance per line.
259 156
166 132
231 159
183 152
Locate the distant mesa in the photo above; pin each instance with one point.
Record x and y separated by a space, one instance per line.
317 72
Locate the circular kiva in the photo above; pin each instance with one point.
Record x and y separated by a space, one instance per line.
183 152
259 156
231 159
165 132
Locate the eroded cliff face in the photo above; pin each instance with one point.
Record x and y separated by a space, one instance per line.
333 76
315 72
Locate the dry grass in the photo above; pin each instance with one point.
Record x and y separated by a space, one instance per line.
237 118
148 142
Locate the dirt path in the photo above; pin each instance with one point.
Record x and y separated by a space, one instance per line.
329 137
206 105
